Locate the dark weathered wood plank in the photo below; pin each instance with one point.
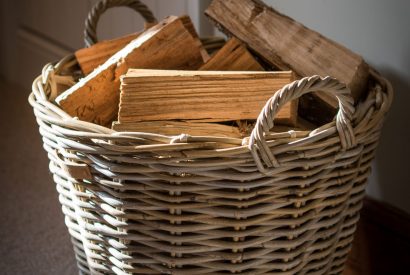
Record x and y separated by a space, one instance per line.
287 44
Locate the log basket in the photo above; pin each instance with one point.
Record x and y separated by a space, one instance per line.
271 203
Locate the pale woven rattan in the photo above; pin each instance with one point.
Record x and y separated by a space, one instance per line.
271 203
275 203
90 32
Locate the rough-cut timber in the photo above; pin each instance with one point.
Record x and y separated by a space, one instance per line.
287 44
148 95
172 128
94 56
168 45
186 20
233 56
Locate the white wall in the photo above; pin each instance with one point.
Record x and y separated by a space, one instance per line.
379 31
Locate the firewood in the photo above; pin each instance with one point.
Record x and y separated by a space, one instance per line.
186 20
168 45
288 45
90 58
172 128
148 95
94 56
233 56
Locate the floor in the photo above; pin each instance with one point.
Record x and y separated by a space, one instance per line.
33 237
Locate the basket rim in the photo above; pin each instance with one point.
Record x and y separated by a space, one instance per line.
205 146
52 69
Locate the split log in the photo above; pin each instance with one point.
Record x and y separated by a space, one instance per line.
288 45
148 95
90 58
168 45
233 56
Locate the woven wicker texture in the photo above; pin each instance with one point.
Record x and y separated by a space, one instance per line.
143 203
271 203
90 32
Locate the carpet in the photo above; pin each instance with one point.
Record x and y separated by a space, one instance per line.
33 237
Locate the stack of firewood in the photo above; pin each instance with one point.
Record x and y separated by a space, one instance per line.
162 80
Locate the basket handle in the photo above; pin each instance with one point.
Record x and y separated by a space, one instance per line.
294 90
90 31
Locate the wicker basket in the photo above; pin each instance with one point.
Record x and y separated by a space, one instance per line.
272 203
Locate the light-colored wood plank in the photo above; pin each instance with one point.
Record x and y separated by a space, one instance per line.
167 45
172 128
233 56
148 95
96 55
186 20
287 44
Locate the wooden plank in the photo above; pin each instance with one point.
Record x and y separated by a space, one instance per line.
189 25
148 95
167 45
173 128
94 56
287 44
233 56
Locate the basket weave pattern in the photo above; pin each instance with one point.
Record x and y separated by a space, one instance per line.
271 203
283 203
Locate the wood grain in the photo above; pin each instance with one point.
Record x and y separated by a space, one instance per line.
233 56
167 45
189 25
287 44
173 128
148 95
94 56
